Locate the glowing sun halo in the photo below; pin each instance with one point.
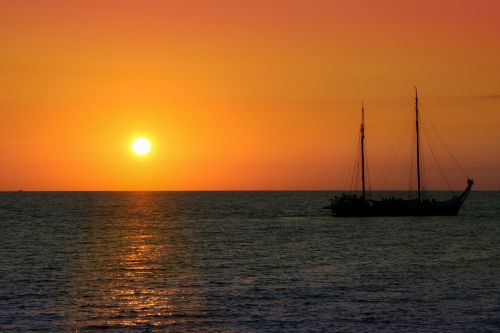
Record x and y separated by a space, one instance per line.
141 146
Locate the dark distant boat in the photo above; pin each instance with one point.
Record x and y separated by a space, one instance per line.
360 205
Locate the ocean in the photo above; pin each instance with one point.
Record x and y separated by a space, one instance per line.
242 262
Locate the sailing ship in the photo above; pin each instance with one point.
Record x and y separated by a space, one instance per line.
360 205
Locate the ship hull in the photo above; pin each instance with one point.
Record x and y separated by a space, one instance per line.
348 207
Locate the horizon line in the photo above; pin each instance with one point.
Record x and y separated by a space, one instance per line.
243 190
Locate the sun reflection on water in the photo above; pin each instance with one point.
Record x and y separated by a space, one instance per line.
141 272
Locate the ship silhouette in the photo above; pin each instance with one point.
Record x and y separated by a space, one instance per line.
360 205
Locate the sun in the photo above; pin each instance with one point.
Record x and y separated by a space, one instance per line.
141 146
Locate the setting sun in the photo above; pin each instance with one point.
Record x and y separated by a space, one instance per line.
141 146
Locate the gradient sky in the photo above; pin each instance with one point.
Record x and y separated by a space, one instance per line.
244 95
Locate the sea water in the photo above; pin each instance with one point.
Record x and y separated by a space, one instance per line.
242 262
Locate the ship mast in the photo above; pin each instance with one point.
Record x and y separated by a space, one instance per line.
418 145
362 130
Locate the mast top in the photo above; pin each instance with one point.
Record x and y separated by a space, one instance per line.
362 114
362 132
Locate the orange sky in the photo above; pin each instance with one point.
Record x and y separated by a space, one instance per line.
241 94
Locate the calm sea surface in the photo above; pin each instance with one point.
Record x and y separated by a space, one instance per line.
242 262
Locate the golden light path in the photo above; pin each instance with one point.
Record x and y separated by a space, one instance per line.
141 146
